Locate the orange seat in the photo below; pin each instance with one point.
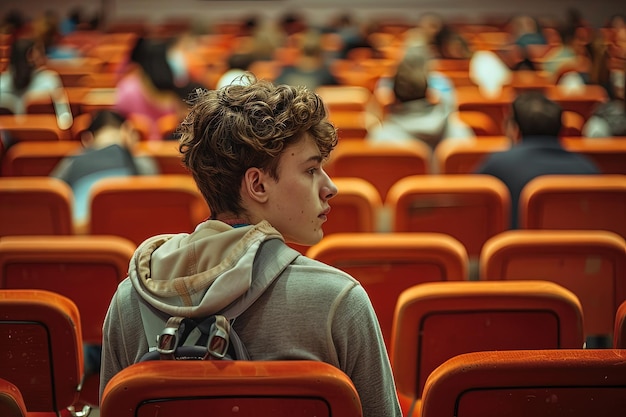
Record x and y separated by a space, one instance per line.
35 206
609 154
346 98
575 202
381 164
40 344
582 102
469 207
36 158
35 127
76 267
357 208
242 388
353 125
480 122
573 383
143 206
436 321
619 330
386 264
11 400
454 157
469 98
165 153
590 263
573 124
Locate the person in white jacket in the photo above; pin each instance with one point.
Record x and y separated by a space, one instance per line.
257 153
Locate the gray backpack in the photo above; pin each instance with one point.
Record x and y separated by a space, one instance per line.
213 338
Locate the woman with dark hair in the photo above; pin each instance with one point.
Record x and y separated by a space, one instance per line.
149 90
28 78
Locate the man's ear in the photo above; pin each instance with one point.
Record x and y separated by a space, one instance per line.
254 184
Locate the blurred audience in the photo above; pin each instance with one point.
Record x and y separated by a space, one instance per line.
27 79
311 68
107 152
415 115
149 89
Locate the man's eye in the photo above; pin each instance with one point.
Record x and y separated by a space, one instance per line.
312 170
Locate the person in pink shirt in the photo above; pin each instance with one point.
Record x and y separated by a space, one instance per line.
148 91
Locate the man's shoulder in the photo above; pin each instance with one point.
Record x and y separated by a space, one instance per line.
322 272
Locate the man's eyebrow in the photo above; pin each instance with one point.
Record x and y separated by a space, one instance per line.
313 158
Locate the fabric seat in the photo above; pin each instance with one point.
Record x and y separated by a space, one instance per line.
35 206
436 321
575 202
590 263
40 344
471 208
540 383
245 388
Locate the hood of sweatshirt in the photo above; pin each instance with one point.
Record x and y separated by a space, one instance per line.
198 274
421 119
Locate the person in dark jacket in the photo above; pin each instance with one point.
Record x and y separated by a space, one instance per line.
534 128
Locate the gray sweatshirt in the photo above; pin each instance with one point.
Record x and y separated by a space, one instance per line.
311 311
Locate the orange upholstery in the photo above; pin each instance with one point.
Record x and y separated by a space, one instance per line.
11 401
590 263
573 124
386 264
573 382
356 208
575 202
609 154
619 330
582 102
40 344
165 153
35 206
436 321
242 388
480 122
33 127
36 158
353 125
469 207
345 98
465 157
469 98
143 206
380 164
74 266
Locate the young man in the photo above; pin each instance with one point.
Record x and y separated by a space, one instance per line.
534 128
257 152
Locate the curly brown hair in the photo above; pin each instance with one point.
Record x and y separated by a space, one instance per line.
240 126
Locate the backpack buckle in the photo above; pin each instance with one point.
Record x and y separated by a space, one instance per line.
217 345
167 341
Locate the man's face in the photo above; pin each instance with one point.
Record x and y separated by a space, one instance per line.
298 202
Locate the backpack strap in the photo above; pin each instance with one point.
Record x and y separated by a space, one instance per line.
271 260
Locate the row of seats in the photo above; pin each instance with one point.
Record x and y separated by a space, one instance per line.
455 327
471 207
591 264
351 158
